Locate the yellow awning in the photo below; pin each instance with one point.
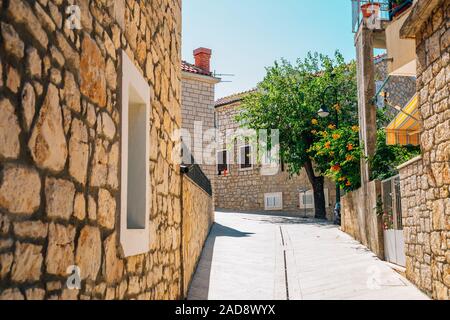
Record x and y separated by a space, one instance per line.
405 128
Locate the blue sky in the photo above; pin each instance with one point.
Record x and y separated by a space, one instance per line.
248 35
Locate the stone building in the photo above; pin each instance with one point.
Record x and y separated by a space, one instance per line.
417 41
244 185
425 181
398 89
89 189
197 109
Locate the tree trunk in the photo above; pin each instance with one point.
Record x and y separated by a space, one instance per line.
319 194
319 198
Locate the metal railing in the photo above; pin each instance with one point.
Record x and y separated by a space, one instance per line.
392 200
195 173
388 9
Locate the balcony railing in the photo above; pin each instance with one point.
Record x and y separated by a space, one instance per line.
388 10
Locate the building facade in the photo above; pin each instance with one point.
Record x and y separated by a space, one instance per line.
91 200
398 90
425 181
198 93
244 185
416 37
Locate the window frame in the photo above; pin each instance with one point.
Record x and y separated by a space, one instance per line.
227 162
251 158
273 195
133 86
268 166
311 193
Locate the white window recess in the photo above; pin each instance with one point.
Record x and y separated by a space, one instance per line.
307 199
135 175
273 201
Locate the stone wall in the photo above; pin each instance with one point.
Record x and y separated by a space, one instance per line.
359 218
243 190
400 90
198 217
60 148
426 183
417 224
198 106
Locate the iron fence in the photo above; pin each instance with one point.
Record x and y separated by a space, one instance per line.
195 173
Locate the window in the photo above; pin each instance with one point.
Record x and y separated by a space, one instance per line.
135 173
245 157
222 163
307 199
271 162
273 201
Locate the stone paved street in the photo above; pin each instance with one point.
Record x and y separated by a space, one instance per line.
260 257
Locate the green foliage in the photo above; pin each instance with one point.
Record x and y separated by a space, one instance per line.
387 158
384 116
338 155
288 100
289 97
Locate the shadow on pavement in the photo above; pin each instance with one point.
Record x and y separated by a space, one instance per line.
278 217
281 220
199 289
219 230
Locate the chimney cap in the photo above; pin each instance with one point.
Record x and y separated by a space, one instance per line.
202 50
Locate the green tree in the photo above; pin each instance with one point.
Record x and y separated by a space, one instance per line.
338 155
288 99
387 158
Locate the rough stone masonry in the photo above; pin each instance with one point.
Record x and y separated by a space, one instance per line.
425 182
60 148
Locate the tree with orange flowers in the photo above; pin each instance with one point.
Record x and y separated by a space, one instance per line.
289 98
338 154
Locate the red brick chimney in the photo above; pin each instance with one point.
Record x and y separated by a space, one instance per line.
203 58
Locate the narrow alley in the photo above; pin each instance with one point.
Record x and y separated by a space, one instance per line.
264 257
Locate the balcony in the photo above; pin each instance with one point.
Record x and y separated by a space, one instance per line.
388 10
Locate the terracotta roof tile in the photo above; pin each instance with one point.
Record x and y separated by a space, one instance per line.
188 67
233 98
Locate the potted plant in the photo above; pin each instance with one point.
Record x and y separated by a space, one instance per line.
388 220
370 8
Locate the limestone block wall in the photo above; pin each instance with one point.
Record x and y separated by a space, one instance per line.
399 89
198 106
426 183
243 190
417 224
60 148
198 217
359 218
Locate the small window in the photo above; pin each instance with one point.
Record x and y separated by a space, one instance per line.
271 162
307 199
222 163
273 201
245 157
135 173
